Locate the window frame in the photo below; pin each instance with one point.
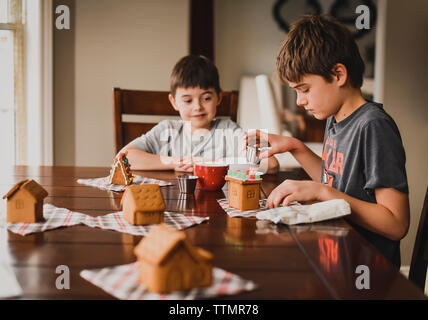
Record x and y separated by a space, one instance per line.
12 26
33 126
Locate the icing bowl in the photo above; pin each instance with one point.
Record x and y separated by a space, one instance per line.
210 175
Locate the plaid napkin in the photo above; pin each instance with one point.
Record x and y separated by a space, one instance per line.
122 283
60 217
102 183
53 218
116 221
233 212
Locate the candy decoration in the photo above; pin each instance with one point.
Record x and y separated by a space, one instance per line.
120 172
244 175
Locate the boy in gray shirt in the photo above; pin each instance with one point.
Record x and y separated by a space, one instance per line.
363 159
198 136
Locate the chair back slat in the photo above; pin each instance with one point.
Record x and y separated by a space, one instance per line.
146 102
154 103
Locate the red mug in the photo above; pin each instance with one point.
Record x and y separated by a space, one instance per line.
210 175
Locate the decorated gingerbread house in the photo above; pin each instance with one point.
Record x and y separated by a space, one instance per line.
169 262
120 172
143 204
243 190
25 202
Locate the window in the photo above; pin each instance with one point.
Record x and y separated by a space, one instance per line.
11 80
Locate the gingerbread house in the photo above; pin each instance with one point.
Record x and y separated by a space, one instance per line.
120 172
143 204
243 191
169 262
25 202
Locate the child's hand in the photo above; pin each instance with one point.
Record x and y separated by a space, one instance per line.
278 143
292 190
184 164
184 168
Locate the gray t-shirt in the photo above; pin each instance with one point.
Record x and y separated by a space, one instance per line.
224 141
361 153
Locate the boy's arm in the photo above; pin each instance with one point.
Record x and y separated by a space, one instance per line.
309 161
141 160
390 216
271 164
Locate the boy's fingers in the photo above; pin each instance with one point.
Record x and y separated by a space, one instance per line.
274 199
188 168
184 169
186 161
277 201
180 166
289 199
265 154
269 201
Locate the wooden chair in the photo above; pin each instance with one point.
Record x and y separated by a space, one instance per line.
153 105
418 267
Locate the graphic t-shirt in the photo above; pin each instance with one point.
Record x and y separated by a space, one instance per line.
361 153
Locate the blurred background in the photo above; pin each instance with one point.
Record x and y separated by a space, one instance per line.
56 85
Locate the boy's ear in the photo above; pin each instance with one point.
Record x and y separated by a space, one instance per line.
172 101
220 97
340 74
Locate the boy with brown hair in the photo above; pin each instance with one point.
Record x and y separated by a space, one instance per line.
198 136
363 158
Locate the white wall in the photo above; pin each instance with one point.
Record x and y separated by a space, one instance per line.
64 90
405 96
131 44
247 39
33 85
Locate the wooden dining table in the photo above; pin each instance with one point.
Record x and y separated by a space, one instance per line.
310 261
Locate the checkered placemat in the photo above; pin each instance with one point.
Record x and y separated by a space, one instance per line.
232 212
115 221
122 283
102 183
53 218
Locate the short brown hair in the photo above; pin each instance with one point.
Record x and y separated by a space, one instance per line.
195 71
314 45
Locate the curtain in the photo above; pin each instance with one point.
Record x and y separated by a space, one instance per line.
17 20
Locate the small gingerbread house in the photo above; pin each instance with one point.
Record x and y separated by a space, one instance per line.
25 202
243 192
169 262
143 204
120 172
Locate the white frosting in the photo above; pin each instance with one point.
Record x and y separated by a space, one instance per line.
123 169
